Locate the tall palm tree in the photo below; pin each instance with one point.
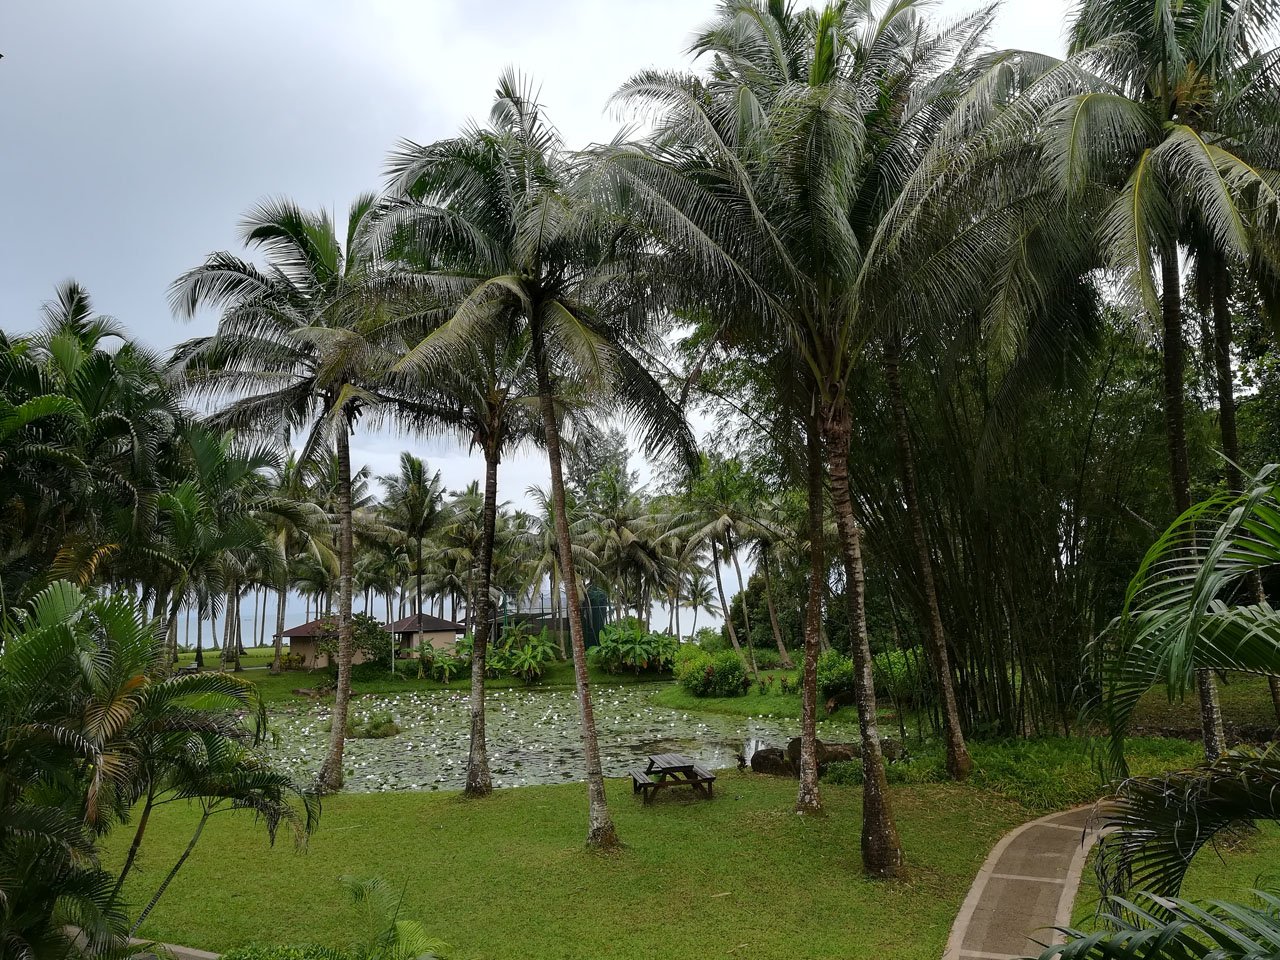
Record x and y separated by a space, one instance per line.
522 240
412 504
299 346
487 396
785 173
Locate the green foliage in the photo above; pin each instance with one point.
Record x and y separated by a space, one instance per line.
255 951
835 676
721 674
530 659
378 727
368 637
69 663
711 639
627 645
899 677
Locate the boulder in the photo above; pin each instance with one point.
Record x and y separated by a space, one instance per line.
827 752
772 761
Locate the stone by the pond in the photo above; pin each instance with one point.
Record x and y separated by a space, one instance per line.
773 761
827 753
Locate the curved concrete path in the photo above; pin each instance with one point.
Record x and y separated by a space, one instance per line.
1026 887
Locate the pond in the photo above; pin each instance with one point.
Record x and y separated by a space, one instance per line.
533 737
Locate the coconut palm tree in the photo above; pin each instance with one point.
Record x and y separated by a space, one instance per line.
299 347
515 220
487 397
791 173
413 505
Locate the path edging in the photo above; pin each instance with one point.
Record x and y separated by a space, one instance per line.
1071 883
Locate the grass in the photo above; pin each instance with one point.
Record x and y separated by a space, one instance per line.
750 704
1225 871
510 877
252 657
1246 702
559 675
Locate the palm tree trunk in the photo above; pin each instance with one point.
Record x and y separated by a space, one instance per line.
199 638
675 613
724 604
1179 472
784 655
809 800
600 831
1227 421
746 619
881 846
331 774
479 782
277 657
959 763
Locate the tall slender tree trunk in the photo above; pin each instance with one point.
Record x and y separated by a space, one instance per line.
959 763
600 831
675 613
277 656
479 783
746 619
784 655
199 638
881 846
809 800
724 604
331 773
1179 470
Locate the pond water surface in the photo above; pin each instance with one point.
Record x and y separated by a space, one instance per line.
533 736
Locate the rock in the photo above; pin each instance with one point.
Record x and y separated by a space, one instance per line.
772 761
827 753
893 750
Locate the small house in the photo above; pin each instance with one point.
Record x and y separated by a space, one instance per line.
422 628
304 641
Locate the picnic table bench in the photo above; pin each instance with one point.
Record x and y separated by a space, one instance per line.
670 770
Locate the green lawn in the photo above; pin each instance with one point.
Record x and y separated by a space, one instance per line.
509 876
559 675
1246 702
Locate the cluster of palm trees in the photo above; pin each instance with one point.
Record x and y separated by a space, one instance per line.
858 228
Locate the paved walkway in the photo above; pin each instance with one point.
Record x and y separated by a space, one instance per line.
1026 888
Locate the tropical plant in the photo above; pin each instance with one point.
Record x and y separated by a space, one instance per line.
300 345
532 251
627 645
93 733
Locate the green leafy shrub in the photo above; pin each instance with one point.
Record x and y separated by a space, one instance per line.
767 658
520 654
292 661
835 676
378 727
368 637
711 640
628 646
720 674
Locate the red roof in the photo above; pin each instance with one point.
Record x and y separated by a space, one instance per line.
313 628
423 623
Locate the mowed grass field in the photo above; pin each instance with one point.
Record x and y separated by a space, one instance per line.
509 876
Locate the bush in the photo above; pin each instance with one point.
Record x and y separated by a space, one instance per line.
526 657
368 637
379 726
711 640
720 674
767 658
835 676
627 645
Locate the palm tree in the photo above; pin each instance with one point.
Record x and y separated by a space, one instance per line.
300 346
698 596
524 243
786 176
488 397
412 504
293 482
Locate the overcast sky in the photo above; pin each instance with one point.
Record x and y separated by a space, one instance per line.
135 133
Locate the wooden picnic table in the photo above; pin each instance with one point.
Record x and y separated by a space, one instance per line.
671 770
